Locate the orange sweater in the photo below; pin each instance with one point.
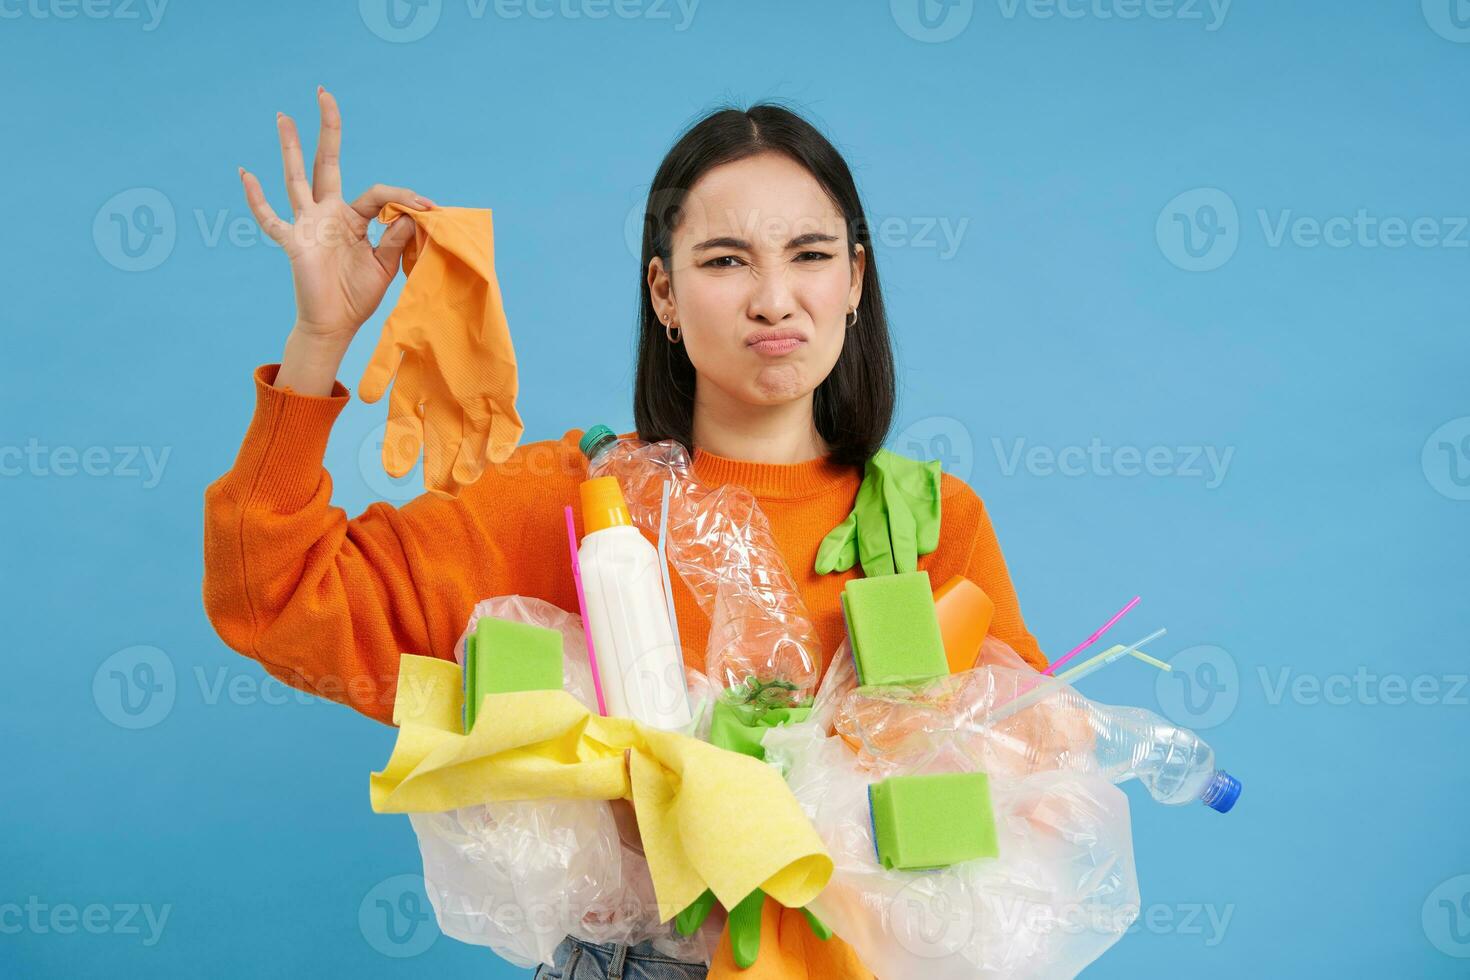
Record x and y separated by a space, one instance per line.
327 603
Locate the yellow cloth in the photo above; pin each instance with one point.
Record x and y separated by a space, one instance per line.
449 345
708 817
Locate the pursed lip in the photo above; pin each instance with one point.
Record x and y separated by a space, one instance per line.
782 334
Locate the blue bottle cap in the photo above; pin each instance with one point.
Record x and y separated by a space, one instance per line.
1222 792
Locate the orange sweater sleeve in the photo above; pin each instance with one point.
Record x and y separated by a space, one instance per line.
326 604
987 569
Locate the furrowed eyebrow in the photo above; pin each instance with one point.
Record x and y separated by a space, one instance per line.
800 241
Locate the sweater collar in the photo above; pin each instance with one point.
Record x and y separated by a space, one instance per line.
778 481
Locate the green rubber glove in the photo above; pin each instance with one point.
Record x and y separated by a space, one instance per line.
744 923
894 520
739 728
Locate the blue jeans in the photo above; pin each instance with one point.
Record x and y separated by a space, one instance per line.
577 959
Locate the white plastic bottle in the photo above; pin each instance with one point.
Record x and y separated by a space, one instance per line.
638 659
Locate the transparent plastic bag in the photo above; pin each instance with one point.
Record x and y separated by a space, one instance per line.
1063 887
721 544
959 722
519 876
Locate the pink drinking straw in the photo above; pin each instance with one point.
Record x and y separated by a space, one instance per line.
1093 638
582 607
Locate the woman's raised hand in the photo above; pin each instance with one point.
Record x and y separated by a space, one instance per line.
340 278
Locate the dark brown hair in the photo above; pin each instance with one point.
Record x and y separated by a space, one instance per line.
853 406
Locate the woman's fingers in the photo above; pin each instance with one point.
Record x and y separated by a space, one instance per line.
326 172
373 199
278 230
297 189
391 245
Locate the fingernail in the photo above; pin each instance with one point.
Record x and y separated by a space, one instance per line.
320 89
242 171
424 201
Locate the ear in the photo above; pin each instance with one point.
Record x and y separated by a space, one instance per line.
660 288
859 266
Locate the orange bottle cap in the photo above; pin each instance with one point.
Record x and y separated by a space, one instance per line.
603 505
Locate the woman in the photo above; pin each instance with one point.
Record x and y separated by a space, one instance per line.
763 348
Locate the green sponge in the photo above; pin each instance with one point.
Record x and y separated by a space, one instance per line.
894 629
931 821
501 656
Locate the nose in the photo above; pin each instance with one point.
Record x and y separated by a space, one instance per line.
771 298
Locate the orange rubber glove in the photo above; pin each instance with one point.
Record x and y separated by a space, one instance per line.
789 951
446 349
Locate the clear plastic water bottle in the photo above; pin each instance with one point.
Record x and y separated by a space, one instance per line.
1004 718
1173 763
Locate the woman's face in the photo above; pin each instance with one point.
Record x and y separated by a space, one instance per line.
761 280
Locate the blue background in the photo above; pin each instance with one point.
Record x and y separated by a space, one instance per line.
1331 547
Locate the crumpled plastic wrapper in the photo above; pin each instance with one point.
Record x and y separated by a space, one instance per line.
1063 887
721 544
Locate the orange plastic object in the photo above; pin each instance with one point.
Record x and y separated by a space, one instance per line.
965 612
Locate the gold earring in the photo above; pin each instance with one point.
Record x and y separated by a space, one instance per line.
673 333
